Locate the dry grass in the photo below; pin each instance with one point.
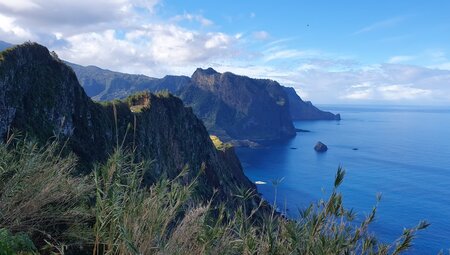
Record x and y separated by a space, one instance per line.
38 195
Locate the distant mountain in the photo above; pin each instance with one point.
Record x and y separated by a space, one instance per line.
4 45
41 97
232 107
101 84
305 110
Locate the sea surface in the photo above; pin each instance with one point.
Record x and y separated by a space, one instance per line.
402 152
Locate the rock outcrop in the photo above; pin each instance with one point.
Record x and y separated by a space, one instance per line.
305 110
41 96
320 147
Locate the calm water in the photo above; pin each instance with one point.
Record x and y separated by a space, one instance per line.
403 152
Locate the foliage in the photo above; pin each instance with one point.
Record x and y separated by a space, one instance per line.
15 244
38 194
128 218
219 144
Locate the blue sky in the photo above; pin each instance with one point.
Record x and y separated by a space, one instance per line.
362 52
372 31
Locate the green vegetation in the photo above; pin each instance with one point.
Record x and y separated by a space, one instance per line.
13 244
219 144
110 212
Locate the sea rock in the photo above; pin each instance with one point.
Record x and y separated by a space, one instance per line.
320 147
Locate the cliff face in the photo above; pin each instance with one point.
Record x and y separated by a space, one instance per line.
238 107
301 110
41 96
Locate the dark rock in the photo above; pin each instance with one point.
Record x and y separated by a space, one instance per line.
320 147
302 130
355 149
245 144
293 148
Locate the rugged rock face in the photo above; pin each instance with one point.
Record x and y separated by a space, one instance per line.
238 107
320 147
41 96
301 110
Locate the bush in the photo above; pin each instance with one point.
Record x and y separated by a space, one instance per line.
15 244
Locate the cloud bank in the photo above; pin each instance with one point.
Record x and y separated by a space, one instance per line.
130 36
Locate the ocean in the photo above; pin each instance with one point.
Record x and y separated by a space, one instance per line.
402 152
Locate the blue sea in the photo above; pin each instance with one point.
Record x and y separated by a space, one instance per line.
402 152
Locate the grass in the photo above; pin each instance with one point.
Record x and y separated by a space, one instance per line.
219 144
111 212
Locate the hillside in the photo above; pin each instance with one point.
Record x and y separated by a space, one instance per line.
305 110
42 98
4 45
103 85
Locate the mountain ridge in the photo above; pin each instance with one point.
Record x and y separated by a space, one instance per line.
188 89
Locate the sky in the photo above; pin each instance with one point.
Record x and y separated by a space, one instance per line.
331 52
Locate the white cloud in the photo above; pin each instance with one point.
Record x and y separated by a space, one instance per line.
276 54
400 59
261 35
380 24
154 49
122 35
192 17
19 5
401 92
442 66
360 95
8 29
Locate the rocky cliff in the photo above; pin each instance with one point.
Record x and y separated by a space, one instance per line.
239 107
41 96
305 110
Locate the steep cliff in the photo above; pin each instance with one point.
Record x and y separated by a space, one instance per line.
305 110
40 96
239 107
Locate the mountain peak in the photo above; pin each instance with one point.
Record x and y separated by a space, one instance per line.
208 71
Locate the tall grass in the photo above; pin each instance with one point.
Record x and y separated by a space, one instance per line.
111 212
38 194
